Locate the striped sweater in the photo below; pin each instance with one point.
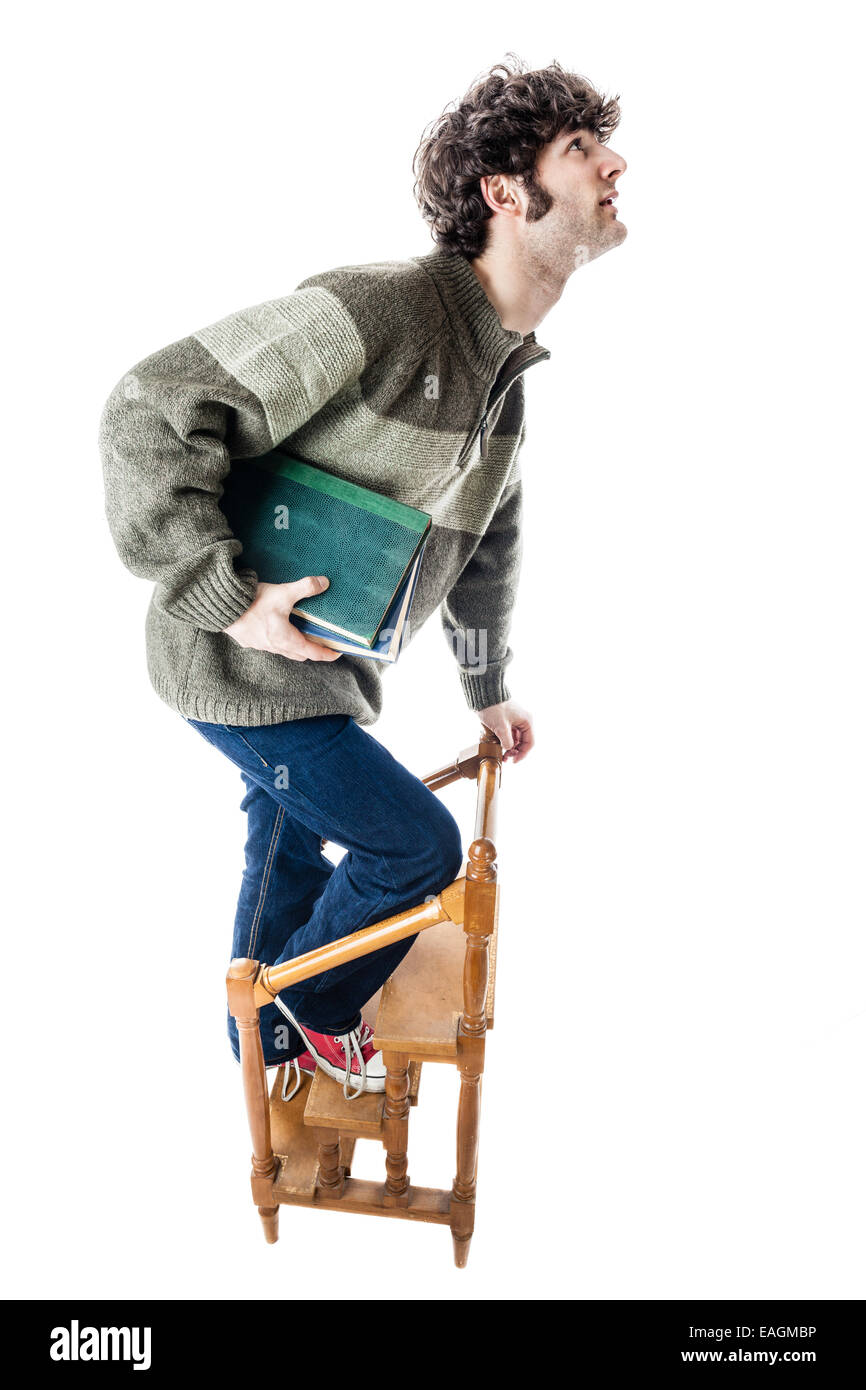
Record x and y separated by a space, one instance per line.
397 375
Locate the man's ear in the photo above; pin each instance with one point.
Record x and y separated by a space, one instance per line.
502 194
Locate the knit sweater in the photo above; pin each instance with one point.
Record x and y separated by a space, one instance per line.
397 375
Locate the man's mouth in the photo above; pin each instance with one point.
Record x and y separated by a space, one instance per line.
609 201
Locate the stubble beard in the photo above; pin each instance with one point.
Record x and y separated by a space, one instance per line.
564 239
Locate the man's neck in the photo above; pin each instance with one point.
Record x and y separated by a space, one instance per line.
519 296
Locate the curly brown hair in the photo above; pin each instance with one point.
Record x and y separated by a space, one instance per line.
499 127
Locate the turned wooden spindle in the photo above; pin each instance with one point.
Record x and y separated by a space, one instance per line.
478 915
395 1129
480 904
240 984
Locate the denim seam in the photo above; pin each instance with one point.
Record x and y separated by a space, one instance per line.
266 878
383 860
247 744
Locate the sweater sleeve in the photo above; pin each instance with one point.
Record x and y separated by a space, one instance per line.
476 613
173 423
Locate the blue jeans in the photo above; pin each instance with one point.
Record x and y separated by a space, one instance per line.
327 778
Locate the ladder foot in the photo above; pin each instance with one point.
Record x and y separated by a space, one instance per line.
271 1223
461 1249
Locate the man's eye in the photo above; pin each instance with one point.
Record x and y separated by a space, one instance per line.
576 142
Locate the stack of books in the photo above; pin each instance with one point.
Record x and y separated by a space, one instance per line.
295 519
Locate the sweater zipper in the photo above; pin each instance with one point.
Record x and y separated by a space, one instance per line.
533 354
483 436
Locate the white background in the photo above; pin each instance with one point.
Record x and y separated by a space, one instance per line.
673 1103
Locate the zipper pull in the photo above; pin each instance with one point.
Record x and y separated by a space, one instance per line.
484 435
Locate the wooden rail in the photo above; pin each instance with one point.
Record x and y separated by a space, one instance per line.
447 905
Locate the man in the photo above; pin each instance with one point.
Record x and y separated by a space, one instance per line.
405 377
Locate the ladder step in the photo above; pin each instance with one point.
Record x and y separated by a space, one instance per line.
422 1002
327 1107
296 1146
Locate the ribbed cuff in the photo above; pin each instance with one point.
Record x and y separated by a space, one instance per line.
484 688
217 598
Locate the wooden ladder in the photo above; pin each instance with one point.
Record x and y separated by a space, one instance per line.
436 1007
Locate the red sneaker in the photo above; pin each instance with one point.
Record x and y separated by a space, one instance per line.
344 1056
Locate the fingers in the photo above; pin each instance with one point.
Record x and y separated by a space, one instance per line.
310 649
315 651
293 643
296 647
266 626
306 588
505 733
526 740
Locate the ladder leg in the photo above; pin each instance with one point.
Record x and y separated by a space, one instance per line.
478 923
271 1223
395 1129
463 1188
240 985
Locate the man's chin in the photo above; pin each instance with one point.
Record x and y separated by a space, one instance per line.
585 252
616 236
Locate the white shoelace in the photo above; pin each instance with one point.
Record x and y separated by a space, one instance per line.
355 1040
297 1085
349 1041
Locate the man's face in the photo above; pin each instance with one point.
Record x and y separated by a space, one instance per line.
568 222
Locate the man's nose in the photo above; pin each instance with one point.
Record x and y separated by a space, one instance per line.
615 165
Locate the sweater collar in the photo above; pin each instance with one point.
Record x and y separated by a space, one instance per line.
485 342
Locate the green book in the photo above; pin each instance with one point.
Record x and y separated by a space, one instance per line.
295 519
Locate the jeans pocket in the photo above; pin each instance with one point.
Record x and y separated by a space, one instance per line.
238 731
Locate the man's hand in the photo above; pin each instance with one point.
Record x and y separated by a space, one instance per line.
512 726
265 625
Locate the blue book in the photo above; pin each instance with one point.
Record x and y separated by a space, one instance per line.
393 634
